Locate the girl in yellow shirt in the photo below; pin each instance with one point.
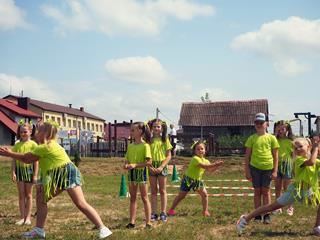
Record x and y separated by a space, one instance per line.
58 173
24 174
193 178
138 158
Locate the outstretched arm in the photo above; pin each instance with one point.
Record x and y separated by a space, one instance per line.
211 167
26 158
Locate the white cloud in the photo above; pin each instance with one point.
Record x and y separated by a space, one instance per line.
124 17
31 87
137 69
287 43
11 16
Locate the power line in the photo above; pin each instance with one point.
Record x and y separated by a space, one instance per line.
167 118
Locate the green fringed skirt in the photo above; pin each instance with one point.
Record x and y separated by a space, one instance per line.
188 183
60 178
157 164
138 175
24 173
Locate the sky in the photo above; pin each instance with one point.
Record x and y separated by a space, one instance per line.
123 59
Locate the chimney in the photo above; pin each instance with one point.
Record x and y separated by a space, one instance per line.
70 105
24 102
81 109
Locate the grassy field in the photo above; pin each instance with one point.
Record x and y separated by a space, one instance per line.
102 185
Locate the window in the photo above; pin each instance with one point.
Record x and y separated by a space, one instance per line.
100 128
88 126
53 118
79 124
74 123
69 123
59 121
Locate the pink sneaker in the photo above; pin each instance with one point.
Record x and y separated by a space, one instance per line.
290 211
35 233
171 212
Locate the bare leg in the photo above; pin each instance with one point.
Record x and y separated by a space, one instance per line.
163 193
278 187
133 201
42 207
146 203
154 192
257 197
204 198
28 202
76 194
286 183
178 199
22 203
266 195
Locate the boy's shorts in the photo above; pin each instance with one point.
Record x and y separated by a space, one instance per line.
290 196
260 178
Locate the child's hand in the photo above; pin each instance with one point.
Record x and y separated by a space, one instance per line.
13 176
131 166
248 176
4 151
34 179
274 175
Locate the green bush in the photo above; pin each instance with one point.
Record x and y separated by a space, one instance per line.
235 141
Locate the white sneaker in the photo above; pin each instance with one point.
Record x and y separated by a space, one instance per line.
104 232
290 211
36 232
316 231
241 224
20 222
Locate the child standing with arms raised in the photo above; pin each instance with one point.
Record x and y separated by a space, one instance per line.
192 178
161 155
58 173
24 174
305 186
138 158
284 136
261 163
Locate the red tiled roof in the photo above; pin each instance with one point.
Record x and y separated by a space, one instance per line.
225 113
58 108
16 109
12 125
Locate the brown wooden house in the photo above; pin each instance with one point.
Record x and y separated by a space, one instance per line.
199 120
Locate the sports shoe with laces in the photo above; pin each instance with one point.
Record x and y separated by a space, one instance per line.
36 232
104 232
290 211
241 224
27 222
154 217
171 212
163 217
316 231
267 219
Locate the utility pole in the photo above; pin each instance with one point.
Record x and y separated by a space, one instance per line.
157 113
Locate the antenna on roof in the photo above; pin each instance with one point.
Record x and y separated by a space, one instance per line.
21 94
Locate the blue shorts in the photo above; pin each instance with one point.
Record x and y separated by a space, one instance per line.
290 196
138 175
260 178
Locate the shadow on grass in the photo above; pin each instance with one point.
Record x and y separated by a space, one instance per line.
281 234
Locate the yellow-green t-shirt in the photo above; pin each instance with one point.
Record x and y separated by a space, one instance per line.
138 153
159 149
285 149
51 155
194 171
306 174
261 150
24 147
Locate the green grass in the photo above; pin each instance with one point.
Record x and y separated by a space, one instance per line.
102 185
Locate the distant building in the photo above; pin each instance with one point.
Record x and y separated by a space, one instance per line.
70 119
201 119
10 115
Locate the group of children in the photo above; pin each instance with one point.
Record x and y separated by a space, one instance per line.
292 163
268 157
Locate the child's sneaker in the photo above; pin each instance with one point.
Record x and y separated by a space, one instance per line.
316 231
290 211
20 222
163 217
257 218
267 219
36 232
171 212
130 225
154 217
241 224
104 232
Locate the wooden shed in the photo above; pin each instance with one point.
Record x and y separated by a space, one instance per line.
204 119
